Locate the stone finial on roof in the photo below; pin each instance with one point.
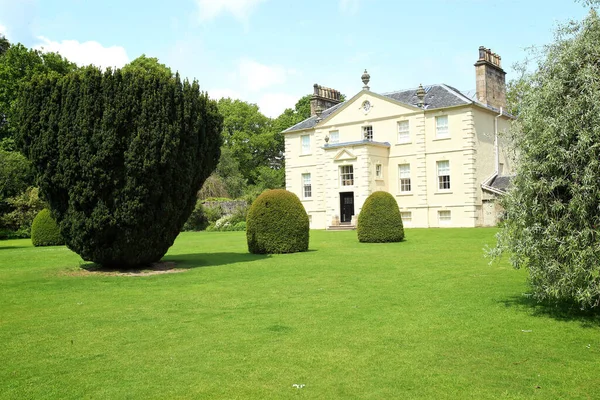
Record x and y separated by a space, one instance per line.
421 96
366 78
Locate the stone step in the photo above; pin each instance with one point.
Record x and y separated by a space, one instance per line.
341 228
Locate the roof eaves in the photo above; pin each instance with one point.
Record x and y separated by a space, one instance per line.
294 127
309 121
496 110
356 143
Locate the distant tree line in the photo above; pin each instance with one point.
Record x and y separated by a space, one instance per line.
19 196
252 152
252 157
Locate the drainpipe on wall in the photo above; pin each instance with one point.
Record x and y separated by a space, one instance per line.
486 183
496 148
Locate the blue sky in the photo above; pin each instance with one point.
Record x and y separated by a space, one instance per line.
271 52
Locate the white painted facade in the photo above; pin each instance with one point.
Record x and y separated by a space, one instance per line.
446 167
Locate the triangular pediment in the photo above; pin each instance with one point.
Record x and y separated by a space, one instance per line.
344 155
353 111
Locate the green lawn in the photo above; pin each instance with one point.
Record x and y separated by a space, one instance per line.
426 318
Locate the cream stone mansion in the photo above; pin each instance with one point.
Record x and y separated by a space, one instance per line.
434 148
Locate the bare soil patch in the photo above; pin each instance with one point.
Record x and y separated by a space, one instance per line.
158 268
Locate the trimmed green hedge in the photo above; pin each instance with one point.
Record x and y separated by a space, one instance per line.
379 220
44 230
277 223
198 221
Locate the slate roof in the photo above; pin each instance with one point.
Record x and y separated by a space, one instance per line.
312 121
436 96
501 182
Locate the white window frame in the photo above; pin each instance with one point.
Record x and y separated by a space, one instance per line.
334 137
378 171
443 175
404 131
445 217
404 180
346 175
305 145
406 217
442 130
367 131
306 186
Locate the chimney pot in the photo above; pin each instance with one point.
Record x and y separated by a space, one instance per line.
481 53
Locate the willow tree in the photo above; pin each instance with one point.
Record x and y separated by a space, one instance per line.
120 156
552 224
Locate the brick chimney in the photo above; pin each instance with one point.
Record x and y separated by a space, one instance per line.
491 79
322 99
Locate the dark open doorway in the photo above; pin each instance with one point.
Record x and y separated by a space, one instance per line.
346 207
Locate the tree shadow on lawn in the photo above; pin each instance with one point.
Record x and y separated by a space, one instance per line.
176 263
199 260
12 247
559 312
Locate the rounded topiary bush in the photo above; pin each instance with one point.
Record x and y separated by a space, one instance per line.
44 230
277 223
379 220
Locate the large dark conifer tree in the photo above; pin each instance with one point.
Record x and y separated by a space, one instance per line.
120 155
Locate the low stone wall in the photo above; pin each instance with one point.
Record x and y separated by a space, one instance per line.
228 207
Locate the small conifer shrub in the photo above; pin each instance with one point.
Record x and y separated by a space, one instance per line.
44 230
277 223
379 220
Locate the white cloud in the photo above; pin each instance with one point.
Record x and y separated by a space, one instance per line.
86 53
3 30
255 76
240 9
349 6
273 104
